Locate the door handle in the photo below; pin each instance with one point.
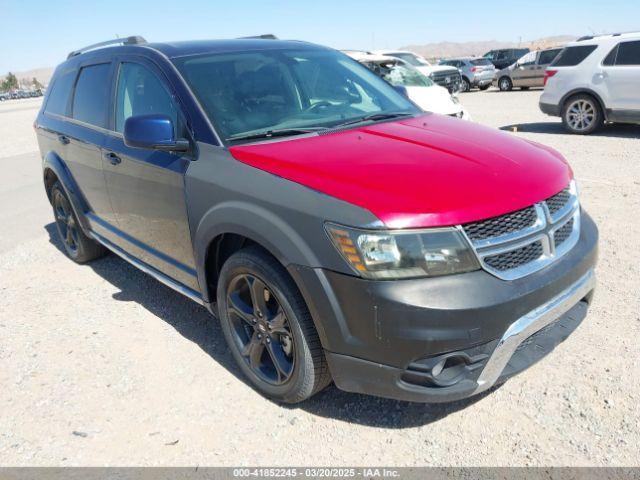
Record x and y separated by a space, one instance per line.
63 139
113 158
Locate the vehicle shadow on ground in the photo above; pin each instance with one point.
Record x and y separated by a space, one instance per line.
614 130
197 325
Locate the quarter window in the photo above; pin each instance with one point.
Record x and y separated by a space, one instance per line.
92 94
58 99
628 53
572 56
547 56
140 92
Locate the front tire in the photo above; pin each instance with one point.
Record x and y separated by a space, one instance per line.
484 87
79 247
505 84
269 329
582 115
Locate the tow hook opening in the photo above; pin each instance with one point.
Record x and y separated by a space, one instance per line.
444 370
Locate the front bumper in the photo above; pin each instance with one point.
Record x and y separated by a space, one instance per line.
446 338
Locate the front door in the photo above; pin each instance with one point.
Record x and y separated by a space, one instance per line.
525 70
146 187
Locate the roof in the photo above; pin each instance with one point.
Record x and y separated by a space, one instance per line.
594 39
195 47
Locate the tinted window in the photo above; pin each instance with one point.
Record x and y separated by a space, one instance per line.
92 95
481 61
610 59
572 56
628 53
140 92
58 99
547 56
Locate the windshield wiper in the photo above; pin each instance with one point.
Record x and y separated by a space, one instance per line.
374 117
279 132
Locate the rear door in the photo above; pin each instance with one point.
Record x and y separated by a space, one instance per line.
85 135
146 187
621 75
524 71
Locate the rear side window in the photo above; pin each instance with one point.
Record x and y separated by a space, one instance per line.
59 96
572 56
90 101
481 61
628 53
547 57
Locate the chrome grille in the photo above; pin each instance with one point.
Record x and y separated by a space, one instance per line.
559 200
450 80
519 243
515 258
561 235
499 226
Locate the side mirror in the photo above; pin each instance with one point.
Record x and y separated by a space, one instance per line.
153 132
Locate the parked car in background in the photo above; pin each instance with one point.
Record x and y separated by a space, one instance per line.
527 72
503 57
445 76
4 96
476 72
420 89
337 232
595 80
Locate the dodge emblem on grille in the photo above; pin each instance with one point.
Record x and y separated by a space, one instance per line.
447 80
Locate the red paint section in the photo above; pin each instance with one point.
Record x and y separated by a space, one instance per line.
422 172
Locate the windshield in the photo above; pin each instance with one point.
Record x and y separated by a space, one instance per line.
410 58
245 93
403 75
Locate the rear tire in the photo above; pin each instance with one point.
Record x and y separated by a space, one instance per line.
505 84
582 115
484 87
77 245
466 85
269 329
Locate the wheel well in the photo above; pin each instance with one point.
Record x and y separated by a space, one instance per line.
588 94
219 250
49 179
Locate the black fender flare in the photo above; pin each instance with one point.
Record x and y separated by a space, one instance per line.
52 162
586 91
255 223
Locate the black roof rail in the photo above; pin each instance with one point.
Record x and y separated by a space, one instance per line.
266 36
134 40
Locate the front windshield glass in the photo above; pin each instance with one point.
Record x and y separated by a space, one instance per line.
402 75
246 93
410 58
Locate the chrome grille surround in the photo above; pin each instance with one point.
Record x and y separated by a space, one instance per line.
511 254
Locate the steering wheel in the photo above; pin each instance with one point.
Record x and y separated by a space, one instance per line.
320 104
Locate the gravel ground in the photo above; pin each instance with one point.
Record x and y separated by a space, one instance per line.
102 365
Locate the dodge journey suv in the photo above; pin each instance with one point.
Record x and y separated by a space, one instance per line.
337 232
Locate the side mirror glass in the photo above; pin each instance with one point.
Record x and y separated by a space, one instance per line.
153 132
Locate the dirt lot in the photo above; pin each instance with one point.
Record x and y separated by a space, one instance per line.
102 365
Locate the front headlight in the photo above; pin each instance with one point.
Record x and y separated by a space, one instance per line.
393 254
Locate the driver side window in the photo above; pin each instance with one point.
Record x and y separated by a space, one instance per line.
140 92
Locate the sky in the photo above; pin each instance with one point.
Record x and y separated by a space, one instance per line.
40 33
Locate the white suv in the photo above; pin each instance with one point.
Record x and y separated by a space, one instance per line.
593 80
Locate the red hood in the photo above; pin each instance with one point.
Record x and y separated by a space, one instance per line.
421 172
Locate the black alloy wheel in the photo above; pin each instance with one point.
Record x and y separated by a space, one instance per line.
65 222
77 245
261 329
269 328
